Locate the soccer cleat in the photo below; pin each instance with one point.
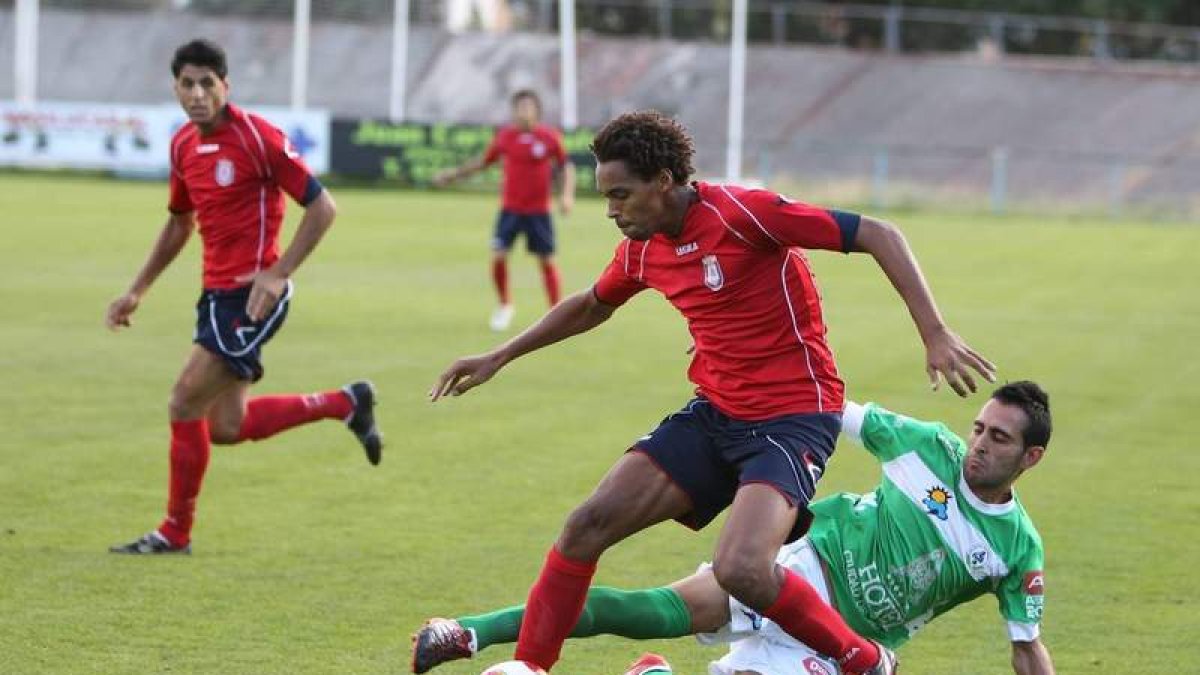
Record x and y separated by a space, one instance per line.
502 317
439 641
888 663
362 420
151 544
650 664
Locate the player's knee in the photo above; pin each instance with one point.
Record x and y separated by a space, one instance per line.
590 529
744 576
221 433
182 406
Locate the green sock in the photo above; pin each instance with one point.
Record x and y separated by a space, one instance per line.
639 615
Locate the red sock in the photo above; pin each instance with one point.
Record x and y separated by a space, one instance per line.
500 278
268 415
554 605
189 459
552 282
801 612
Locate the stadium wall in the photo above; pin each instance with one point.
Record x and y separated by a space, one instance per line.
826 118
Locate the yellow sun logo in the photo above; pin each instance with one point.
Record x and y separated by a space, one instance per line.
939 495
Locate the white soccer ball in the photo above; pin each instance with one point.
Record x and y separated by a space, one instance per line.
513 668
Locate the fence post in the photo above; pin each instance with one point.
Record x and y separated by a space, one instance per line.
25 65
665 18
999 179
778 22
1100 50
996 31
879 179
891 28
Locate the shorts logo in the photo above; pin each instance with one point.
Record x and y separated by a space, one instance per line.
755 619
714 278
224 173
938 502
1035 583
814 666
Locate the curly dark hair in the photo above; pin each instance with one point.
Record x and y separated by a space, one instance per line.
1035 403
648 142
201 53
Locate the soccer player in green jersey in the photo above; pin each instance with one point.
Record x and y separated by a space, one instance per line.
942 528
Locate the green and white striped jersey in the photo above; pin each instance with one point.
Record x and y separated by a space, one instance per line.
922 542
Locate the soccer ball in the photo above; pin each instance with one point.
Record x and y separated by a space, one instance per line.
513 668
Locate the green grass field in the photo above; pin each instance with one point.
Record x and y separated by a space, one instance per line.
307 560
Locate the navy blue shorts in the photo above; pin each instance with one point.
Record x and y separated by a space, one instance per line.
537 227
709 455
223 328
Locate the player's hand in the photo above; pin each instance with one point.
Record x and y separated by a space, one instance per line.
465 374
566 204
120 310
947 356
444 178
268 286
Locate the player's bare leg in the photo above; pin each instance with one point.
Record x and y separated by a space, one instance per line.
503 315
551 279
633 496
759 522
204 378
235 416
707 603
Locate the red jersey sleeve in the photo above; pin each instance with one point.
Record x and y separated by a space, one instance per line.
782 222
495 148
179 201
287 167
618 282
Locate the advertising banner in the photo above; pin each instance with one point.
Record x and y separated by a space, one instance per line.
132 139
412 153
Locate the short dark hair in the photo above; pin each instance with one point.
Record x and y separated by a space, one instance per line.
648 142
526 93
202 53
1035 403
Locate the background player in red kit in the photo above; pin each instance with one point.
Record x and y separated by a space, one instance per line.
229 171
769 398
531 152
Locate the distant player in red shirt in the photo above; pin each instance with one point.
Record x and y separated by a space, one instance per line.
229 171
531 152
769 399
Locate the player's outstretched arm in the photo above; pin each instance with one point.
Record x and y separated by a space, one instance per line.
1031 658
170 242
470 168
577 314
946 354
567 201
269 284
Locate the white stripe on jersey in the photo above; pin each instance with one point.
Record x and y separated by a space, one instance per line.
722 218
912 477
752 216
787 297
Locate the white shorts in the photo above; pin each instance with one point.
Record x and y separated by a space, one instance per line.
757 643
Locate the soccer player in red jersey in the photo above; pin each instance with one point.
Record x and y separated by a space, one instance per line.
769 399
229 173
532 151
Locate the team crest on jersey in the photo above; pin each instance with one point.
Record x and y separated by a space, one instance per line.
538 149
938 502
977 558
714 278
224 172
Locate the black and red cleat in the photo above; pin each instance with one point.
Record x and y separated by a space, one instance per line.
439 641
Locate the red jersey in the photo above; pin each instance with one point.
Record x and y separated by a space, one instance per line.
738 275
234 179
529 160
